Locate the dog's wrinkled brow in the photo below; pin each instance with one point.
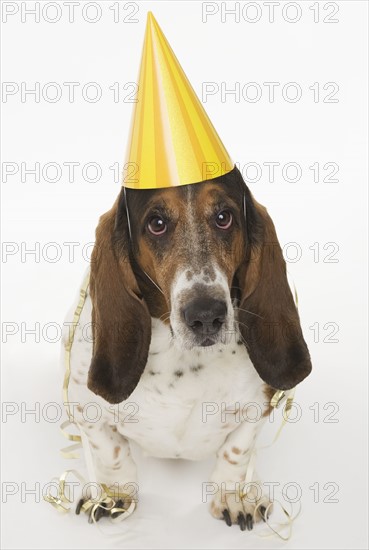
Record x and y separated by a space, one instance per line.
159 207
153 200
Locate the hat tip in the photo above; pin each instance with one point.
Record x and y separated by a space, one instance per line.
151 21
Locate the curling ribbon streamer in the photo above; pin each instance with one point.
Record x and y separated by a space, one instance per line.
105 500
276 401
277 529
61 501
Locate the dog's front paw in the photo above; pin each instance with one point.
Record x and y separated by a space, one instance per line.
236 508
108 504
97 510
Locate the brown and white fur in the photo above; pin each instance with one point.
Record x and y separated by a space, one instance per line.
189 327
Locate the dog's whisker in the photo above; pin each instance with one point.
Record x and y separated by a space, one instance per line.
163 319
167 313
241 323
250 312
242 338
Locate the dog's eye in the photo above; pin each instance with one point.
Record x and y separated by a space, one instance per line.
157 226
224 219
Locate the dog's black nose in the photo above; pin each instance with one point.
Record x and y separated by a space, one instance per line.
205 316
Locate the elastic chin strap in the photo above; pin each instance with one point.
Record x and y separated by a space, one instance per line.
131 241
128 217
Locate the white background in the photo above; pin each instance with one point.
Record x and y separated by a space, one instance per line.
171 512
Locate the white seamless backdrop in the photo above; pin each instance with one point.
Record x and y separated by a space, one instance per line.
298 72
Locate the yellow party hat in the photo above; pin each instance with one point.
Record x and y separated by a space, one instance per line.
172 140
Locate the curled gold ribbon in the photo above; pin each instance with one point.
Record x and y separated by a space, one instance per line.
278 528
289 396
70 340
61 501
69 452
276 401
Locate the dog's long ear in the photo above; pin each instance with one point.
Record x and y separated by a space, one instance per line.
120 317
269 321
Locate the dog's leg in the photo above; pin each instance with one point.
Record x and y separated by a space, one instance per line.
112 462
228 477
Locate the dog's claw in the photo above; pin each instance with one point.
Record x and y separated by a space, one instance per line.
249 522
227 517
90 520
79 506
118 504
101 511
241 520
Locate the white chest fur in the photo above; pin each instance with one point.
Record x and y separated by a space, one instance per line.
186 402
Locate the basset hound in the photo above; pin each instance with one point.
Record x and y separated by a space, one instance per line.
189 305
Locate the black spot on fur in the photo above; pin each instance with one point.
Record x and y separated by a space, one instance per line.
178 373
196 368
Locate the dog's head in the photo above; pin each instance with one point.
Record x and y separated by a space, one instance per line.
204 259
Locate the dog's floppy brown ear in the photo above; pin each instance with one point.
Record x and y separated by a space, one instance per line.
120 318
269 321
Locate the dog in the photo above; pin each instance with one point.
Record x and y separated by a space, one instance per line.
189 304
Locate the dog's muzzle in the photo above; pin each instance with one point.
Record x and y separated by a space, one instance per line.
201 308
